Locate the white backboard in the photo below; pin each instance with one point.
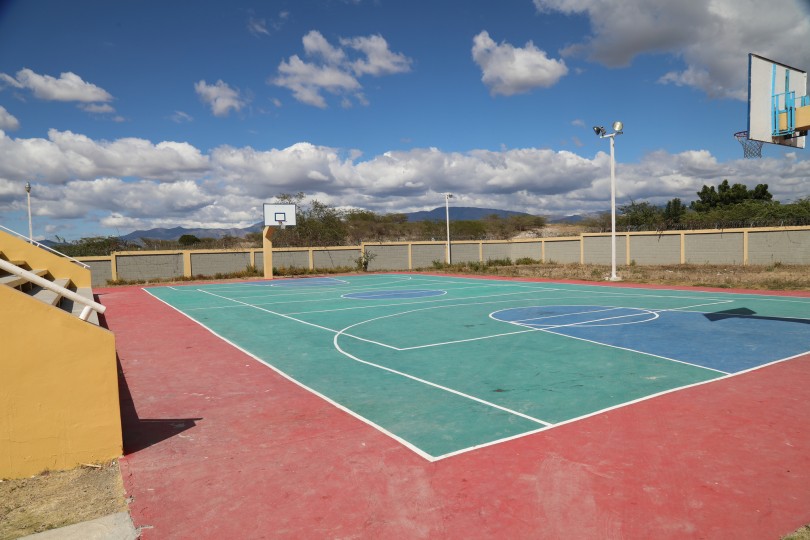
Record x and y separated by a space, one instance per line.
277 214
766 79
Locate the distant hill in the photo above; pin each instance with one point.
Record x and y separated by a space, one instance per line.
568 219
461 213
176 232
457 213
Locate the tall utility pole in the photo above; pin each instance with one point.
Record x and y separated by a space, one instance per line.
600 131
447 197
30 224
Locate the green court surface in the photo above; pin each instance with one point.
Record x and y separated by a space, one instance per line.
448 364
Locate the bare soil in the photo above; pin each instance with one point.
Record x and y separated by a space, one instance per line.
57 499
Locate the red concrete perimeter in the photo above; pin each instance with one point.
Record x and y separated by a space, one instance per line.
266 459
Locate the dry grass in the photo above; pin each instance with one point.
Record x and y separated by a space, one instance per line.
58 499
800 534
774 277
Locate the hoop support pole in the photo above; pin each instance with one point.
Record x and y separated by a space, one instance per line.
267 249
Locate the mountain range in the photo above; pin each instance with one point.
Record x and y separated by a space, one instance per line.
457 213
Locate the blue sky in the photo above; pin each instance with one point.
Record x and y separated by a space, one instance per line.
137 114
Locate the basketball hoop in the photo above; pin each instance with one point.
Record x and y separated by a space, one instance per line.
751 149
282 225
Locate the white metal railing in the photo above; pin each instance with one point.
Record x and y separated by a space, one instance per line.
43 246
89 305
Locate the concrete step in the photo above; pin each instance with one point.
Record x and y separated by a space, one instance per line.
48 296
76 307
12 280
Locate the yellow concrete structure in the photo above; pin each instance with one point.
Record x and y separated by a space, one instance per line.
16 249
59 402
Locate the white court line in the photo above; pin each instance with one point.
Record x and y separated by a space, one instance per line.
441 300
432 458
614 407
282 315
418 451
429 383
418 379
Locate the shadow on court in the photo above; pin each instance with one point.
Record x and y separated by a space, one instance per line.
745 313
141 433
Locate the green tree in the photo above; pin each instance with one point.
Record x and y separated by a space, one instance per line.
640 215
188 240
674 211
727 195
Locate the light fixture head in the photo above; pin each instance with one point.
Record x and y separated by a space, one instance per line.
617 126
28 187
599 130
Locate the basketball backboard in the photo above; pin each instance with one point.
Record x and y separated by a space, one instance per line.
279 215
778 104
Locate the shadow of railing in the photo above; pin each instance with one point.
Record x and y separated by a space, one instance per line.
139 433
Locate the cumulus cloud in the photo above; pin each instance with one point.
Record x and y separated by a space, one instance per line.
7 120
135 200
134 183
68 87
66 155
220 97
336 69
509 70
712 39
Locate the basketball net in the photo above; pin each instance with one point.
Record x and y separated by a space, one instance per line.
282 225
751 149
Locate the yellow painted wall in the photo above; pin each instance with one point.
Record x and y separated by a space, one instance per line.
15 248
58 389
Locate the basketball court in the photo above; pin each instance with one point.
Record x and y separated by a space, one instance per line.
425 406
419 405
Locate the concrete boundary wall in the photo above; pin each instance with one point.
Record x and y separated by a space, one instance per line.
786 245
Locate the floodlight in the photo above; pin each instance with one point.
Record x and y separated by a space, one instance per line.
599 130
617 126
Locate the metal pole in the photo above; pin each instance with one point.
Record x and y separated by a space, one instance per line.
447 220
30 224
613 276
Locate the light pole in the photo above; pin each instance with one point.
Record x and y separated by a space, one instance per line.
447 197
30 226
600 131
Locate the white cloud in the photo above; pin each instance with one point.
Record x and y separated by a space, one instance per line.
180 117
220 97
712 38
134 200
379 60
66 155
7 120
509 70
307 80
133 183
257 26
335 69
68 87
